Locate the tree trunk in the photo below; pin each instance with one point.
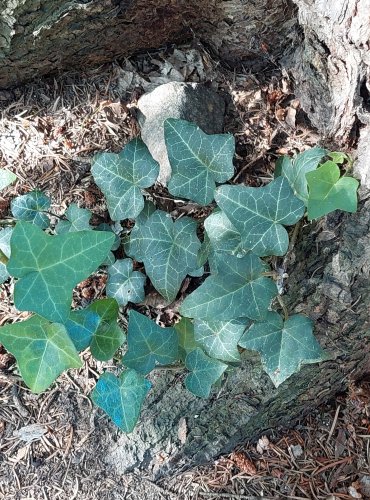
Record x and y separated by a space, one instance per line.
330 275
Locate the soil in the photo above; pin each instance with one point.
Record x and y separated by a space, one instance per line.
52 445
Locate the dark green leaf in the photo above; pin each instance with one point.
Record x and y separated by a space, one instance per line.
124 284
81 326
78 220
205 372
132 244
223 236
185 332
30 207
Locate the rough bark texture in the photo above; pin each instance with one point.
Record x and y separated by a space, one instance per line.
41 36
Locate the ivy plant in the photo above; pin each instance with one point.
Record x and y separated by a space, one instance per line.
231 308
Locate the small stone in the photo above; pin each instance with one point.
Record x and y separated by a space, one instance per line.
193 102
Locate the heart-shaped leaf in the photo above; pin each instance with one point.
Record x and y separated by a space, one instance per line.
43 350
197 160
124 284
237 291
205 372
149 344
220 339
30 207
97 327
295 170
328 191
122 176
6 178
5 235
132 244
185 332
259 214
48 267
224 237
121 398
77 220
169 250
284 346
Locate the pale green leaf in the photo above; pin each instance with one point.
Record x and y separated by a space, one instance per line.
237 291
121 398
149 344
30 207
205 372
197 160
169 250
122 176
284 346
43 350
124 284
185 332
328 191
6 178
339 157
5 235
49 267
219 339
259 214
77 220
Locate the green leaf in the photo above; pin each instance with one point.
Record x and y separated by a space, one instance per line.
109 336
30 207
284 346
237 291
78 220
122 176
338 157
169 250
6 178
5 235
205 372
97 327
124 284
149 344
223 236
220 339
43 350
259 214
121 398
132 244
197 160
48 267
185 332
204 250
295 170
328 191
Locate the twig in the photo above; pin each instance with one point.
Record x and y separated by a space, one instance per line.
283 306
334 423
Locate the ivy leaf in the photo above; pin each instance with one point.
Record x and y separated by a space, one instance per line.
220 339
224 237
124 284
328 191
42 349
97 327
30 207
185 332
5 235
339 157
122 176
121 398
284 346
295 170
238 290
48 267
6 178
132 244
205 372
259 214
78 220
197 160
149 344
169 250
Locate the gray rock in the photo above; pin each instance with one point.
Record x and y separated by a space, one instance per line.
193 102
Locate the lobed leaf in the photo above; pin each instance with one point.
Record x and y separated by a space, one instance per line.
43 350
48 267
30 207
223 236
328 191
205 372
124 284
259 214
132 245
197 160
284 346
77 220
122 176
149 344
121 398
186 339
5 236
